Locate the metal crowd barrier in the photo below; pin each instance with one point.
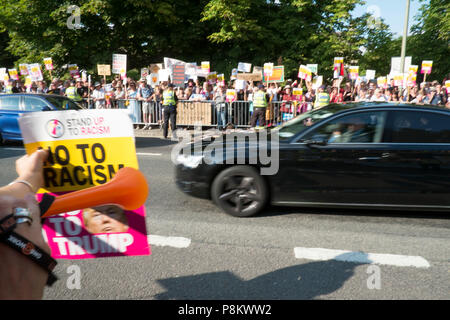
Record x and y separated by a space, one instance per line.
205 113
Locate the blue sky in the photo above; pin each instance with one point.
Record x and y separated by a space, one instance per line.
392 11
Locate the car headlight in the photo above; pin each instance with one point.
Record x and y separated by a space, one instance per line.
190 161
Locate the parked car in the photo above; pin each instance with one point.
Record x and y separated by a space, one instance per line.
360 155
12 105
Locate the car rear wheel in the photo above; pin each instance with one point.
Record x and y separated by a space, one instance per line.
240 191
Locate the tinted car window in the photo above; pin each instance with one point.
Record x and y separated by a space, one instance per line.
359 127
62 103
9 103
307 119
418 127
34 104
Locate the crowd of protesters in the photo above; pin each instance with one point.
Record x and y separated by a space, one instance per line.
144 102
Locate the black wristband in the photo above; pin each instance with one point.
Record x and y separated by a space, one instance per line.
33 252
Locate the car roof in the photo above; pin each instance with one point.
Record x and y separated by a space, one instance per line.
353 106
44 95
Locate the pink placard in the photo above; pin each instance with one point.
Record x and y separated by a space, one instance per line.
105 231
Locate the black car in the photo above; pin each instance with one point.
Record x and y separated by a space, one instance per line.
366 155
12 105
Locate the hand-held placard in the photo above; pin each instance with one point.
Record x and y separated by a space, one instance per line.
128 189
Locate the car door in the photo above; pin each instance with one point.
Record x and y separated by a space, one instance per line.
9 113
336 162
418 168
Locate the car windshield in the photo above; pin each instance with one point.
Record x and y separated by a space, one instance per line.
307 119
62 103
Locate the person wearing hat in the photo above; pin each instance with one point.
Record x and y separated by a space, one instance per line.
144 94
322 98
169 109
260 102
99 96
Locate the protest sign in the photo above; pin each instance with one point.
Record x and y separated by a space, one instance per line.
212 77
399 79
191 70
144 73
34 70
153 79
119 63
297 91
73 70
258 70
23 69
396 65
382 82
231 95
234 74
241 85
268 69
277 75
28 81
103 69
447 86
86 148
178 74
427 65
338 61
206 66
244 67
370 74
313 68
317 82
353 72
250 76
304 73
13 74
221 77
164 75
48 62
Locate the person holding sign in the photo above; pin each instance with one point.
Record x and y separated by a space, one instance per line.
20 277
169 110
322 98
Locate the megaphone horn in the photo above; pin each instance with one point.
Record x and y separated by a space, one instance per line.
128 189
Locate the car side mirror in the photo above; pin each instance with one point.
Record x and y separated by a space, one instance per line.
45 108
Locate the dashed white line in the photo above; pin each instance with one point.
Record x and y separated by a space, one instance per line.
176 242
322 254
148 154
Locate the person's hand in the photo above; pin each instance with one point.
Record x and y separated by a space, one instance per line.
21 278
30 168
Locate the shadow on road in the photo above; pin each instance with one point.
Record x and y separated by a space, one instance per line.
301 282
353 213
144 142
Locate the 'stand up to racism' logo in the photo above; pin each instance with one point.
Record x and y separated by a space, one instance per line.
55 128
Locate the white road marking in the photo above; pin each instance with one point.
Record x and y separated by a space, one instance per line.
322 254
14 149
176 242
148 154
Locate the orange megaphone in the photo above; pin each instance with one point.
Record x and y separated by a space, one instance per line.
128 189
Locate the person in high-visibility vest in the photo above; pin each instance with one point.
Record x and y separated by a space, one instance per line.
260 102
72 92
322 98
169 109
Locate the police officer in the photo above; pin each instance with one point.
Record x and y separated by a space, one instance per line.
322 98
260 102
169 108
72 92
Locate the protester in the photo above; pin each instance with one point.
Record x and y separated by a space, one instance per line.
20 277
219 98
99 96
260 102
133 104
144 95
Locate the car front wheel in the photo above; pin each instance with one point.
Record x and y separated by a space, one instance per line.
240 191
